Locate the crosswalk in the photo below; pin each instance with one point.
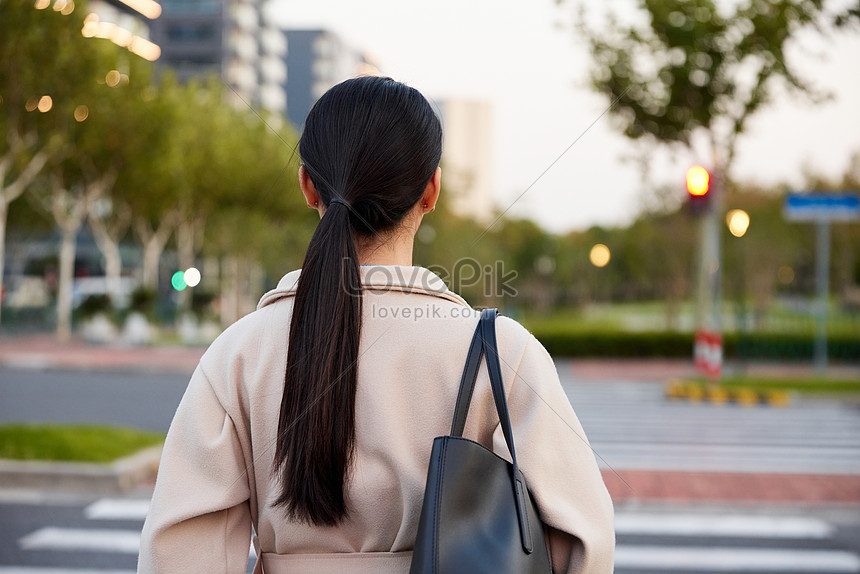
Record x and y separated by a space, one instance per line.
716 559
95 534
708 542
681 540
632 426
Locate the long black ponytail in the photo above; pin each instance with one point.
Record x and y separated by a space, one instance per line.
370 144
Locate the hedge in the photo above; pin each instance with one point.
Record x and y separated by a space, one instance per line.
665 344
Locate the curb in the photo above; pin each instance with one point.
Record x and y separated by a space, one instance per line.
717 395
120 476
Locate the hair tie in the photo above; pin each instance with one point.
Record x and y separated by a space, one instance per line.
334 200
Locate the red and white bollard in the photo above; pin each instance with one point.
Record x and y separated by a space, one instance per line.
708 353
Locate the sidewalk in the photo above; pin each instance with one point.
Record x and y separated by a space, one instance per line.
731 487
45 352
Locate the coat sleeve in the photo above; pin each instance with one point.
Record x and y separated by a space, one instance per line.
199 519
559 466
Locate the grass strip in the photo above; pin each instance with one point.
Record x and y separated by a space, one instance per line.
804 385
74 443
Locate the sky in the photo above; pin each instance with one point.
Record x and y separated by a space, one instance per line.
523 57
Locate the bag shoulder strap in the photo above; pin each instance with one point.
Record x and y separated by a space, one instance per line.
467 381
484 345
491 353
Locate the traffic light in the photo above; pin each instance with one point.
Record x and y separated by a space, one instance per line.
698 189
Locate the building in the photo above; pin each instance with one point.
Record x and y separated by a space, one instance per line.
317 60
467 157
126 23
230 39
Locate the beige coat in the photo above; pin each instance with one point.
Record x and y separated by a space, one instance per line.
214 481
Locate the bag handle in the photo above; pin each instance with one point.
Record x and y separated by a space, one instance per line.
484 345
467 381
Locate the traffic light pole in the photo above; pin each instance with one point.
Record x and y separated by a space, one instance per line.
715 218
709 348
822 287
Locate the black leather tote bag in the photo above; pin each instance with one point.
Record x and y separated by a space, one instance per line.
478 516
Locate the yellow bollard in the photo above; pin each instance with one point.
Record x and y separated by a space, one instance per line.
695 393
718 396
778 398
746 397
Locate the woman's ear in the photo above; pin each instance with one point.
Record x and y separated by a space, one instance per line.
431 192
309 190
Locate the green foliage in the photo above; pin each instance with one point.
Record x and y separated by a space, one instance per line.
805 385
143 301
571 342
93 305
699 65
657 344
77 443
201 302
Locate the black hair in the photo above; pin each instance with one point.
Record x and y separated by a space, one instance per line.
374 144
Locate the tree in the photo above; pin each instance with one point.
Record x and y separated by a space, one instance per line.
115 135
37 69
150 184
694 67
251 209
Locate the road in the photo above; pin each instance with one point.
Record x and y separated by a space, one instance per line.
71 535
101 536
142 400
629 424
632 426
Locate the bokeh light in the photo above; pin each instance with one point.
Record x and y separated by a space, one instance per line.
192 277
112 78
178 281
45 104
81 113
698 180
738 221
599 255
42 4
785 274
31 104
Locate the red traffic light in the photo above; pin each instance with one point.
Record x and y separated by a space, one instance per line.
698 181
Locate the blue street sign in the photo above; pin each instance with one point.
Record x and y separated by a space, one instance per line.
822 206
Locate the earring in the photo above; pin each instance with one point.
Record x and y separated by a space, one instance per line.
316 203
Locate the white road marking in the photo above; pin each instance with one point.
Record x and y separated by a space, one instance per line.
722 525
88 539
117 509
669 558
121 541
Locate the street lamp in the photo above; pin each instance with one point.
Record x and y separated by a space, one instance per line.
599 255
738 221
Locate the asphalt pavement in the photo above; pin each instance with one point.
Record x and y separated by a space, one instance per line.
137 399
56 535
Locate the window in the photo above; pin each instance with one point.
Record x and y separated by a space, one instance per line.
181 33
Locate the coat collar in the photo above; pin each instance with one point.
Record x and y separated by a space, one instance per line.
377 278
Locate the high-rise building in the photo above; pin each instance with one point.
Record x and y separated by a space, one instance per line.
228 38
467 156
317 60
127 23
